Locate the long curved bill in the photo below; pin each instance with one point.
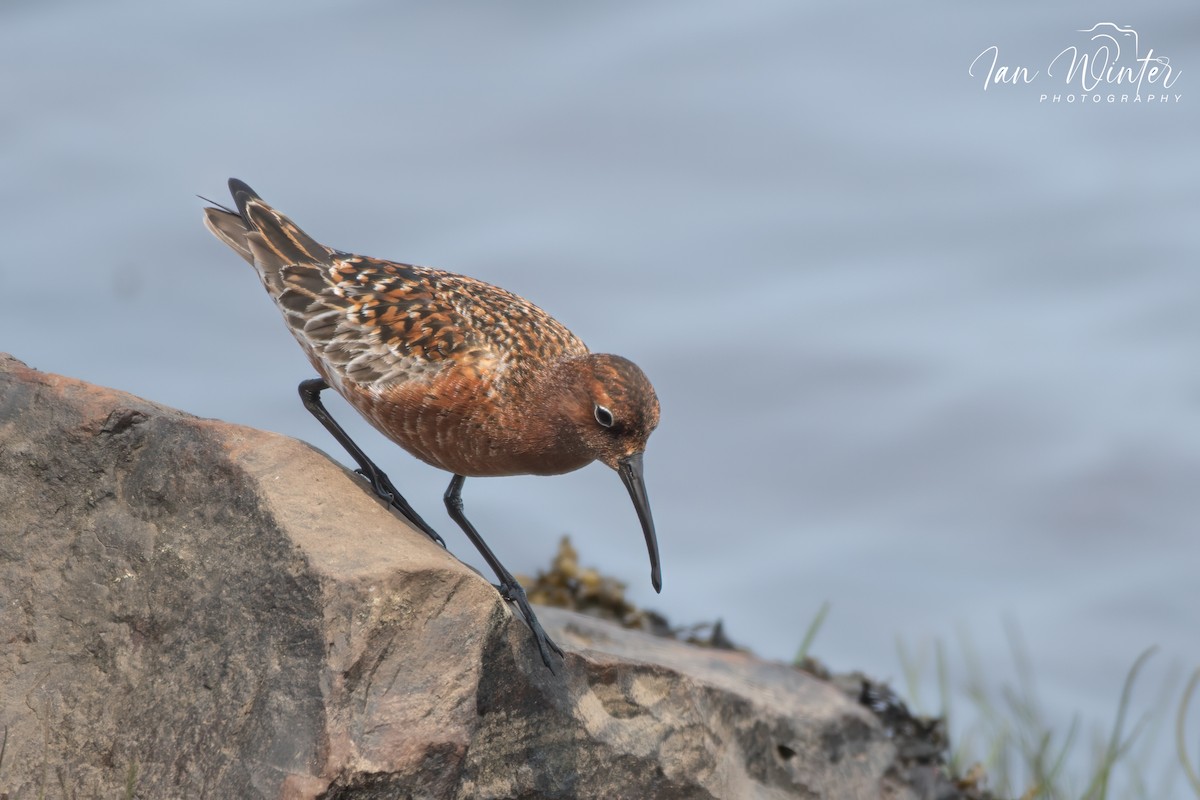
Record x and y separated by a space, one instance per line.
630 470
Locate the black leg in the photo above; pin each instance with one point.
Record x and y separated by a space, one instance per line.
310 393
509 588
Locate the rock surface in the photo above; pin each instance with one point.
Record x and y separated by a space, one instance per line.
213 611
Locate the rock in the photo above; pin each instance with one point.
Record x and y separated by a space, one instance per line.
210 611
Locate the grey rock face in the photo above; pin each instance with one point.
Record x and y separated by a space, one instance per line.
231 614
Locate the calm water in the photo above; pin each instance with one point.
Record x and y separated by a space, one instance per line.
925 351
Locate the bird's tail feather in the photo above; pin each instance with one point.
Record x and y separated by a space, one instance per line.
261 235
230 229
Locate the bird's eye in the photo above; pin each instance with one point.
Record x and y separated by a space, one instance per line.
604 416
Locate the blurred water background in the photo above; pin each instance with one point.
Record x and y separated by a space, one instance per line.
926 351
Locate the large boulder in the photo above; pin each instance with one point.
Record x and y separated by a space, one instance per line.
201 610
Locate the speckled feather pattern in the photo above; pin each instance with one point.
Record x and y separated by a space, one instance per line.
379 323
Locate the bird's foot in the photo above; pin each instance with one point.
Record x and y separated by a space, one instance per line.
513 593
381 484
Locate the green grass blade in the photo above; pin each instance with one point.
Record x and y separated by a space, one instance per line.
811 634
1098 790
1180 725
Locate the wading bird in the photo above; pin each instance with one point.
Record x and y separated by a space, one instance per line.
464 375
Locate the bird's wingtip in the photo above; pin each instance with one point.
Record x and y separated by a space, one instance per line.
242 194
237 185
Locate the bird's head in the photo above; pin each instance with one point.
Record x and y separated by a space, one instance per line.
611 410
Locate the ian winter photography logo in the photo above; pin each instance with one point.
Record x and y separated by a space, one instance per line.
1108 66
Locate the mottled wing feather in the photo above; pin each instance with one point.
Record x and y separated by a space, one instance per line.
381 323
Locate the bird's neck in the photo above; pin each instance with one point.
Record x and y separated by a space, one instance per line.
544 432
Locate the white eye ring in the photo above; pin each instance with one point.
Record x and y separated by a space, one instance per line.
603 416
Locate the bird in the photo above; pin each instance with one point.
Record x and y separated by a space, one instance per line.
465 376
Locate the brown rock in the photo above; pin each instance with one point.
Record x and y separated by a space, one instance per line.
231 614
